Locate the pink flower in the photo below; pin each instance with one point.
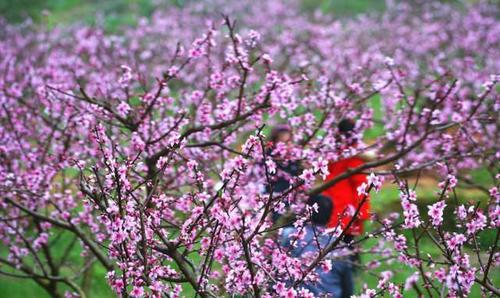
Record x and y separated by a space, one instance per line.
253 38
126 77
461 212
440 274
394 291
495 216
411 281
375 181
195 53
494 193
290 293
326 265
305 293
217 81
400 243
123 109
118 237
172 71
389 61
452 180
307 176
137 291
41 240
362 189
321 166
477 223
385 276
456 241
368 293
279 287
267 59
137 142
436 213
118 285
410 210
271 166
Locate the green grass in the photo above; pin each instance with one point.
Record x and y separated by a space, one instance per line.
345 7
15 287
377 129
118 12
402 272
111 14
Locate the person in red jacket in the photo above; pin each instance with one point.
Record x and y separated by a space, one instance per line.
344 193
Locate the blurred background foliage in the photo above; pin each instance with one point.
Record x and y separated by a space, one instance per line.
113 14
117 12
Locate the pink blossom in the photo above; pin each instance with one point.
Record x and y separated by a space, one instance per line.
137 292
126 77
410 210
321 166
436 212
123 109
307 176
411 281
271 166
375 181
362 189
455 241
477 223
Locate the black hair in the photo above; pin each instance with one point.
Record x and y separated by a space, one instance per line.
346 126
325 207
276 131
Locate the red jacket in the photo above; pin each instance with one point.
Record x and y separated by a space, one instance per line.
344 194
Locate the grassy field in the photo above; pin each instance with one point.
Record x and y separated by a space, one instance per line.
112 14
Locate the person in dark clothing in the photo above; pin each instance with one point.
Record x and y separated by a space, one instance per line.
282 134
334 283
279 140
